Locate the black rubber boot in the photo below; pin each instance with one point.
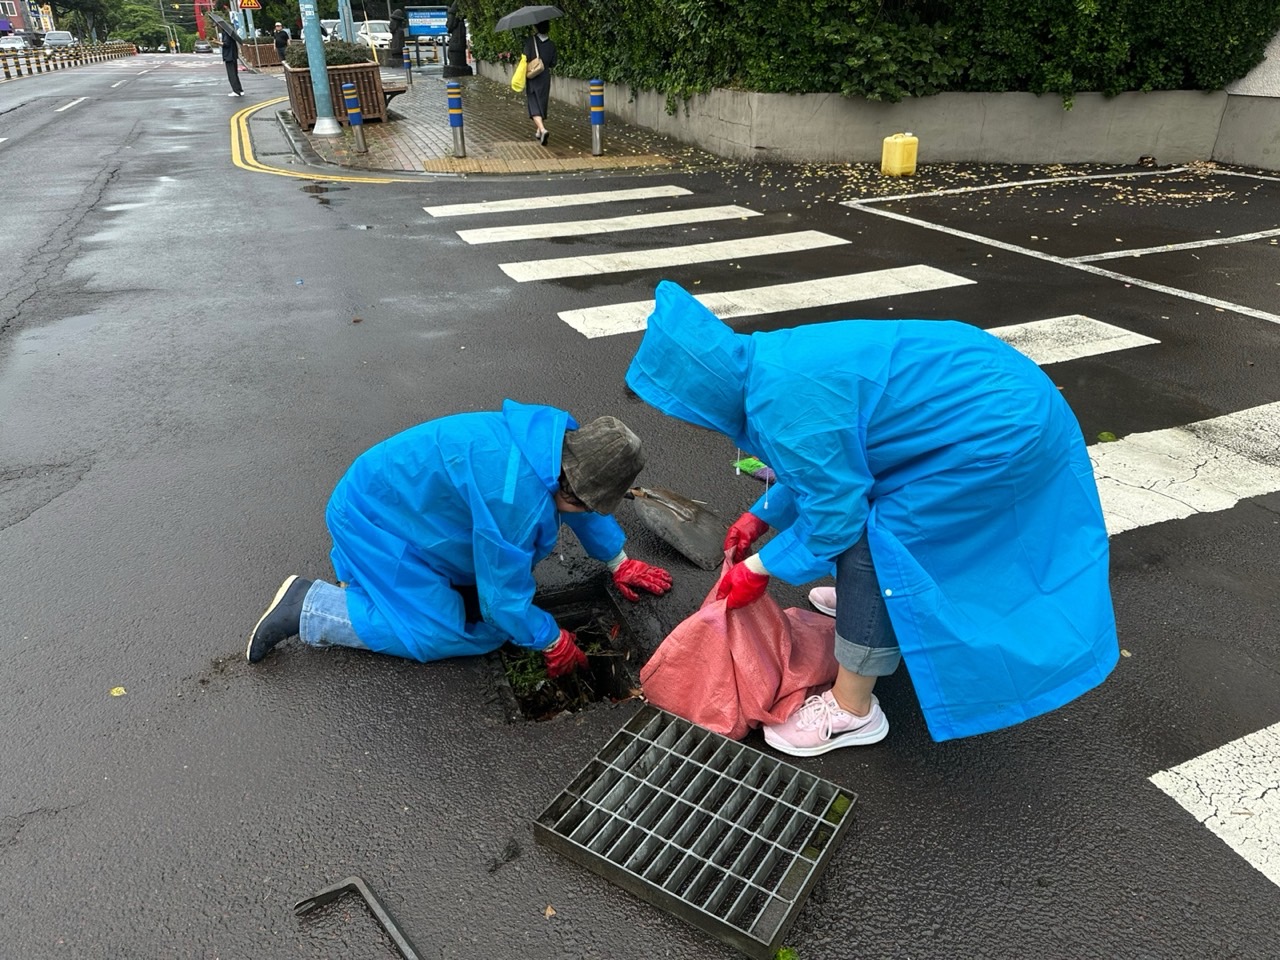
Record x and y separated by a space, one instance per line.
280 621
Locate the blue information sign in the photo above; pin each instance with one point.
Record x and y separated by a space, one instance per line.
427 21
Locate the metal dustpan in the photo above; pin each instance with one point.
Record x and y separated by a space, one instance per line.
696 532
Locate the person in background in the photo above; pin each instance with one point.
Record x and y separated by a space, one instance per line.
230 44
537 86
464 506
943 476
281 37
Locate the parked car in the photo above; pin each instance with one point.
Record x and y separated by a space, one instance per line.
376 31
59 38
202 46
12 43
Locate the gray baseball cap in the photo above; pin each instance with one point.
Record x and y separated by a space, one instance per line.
601 461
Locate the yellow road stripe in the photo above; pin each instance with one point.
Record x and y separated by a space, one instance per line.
242 153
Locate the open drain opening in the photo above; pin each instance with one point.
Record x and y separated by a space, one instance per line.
603 634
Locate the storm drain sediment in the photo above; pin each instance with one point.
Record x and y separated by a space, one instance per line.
723 836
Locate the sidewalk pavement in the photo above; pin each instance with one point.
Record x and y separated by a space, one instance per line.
498 135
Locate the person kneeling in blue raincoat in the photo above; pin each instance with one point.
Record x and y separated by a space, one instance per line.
468 501
943 477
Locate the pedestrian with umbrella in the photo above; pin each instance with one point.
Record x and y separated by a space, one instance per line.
540 57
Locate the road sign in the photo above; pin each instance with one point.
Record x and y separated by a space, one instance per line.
428 21
250 5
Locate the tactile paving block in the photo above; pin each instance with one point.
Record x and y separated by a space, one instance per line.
721 835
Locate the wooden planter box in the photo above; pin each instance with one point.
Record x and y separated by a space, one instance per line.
366 77
260 54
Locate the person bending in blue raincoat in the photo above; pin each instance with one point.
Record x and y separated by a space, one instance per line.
472 500
943 477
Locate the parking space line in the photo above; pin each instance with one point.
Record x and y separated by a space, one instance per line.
558 200
612 319
1235 792
1168 248
118 83
1203 467
68 106
575 228
1073 264
1012 183
525 270
1068 338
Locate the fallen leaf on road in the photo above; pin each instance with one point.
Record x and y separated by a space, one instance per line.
118 691
549 912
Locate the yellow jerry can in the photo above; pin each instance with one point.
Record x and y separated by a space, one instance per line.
898 158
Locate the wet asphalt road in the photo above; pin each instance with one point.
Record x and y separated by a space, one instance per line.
182 380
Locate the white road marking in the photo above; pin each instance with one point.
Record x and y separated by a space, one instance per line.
562 200
71 104
1068 338
1204 467
576 228
1167 248
526 270
118 83
3 139
1062 261
606 321
1012 183
141 72
1235 792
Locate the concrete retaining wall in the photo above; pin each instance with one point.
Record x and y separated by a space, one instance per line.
1173 126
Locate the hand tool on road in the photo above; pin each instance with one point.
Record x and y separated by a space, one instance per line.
696 532
329 894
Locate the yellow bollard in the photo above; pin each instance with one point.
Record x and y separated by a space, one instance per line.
898 157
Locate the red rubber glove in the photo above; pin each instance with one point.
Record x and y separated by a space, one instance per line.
746 530
563 656
741 586
637 573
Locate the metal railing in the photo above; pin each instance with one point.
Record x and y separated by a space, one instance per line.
25 63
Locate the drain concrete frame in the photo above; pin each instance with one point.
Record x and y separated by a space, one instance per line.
725 837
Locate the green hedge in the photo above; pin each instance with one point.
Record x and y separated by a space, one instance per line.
337 53
891 49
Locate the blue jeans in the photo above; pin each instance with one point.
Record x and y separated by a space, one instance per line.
325 622
865 641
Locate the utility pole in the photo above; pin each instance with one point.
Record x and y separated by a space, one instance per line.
326 125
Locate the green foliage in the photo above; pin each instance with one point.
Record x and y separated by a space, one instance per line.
892 49
336 54
786 953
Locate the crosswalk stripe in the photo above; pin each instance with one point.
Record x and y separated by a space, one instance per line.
526 270
606 321
576 228
1235 792
1068 338
1203 467
521 204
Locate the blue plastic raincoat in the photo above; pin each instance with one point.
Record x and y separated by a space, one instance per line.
464 500
958 457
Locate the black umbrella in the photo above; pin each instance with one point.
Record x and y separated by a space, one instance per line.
527 17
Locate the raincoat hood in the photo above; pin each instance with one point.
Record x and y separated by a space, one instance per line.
538 432
690 364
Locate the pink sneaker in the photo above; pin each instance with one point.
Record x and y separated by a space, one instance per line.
821 725
824 600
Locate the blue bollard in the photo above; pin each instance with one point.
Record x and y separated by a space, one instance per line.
454 91
408 67
354 117
597 115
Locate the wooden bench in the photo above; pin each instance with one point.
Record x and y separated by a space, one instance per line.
393 84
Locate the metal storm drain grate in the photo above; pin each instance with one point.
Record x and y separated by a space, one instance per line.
723 836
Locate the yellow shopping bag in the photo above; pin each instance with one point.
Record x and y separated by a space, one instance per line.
517 78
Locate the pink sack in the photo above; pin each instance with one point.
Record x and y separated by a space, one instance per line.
733 670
